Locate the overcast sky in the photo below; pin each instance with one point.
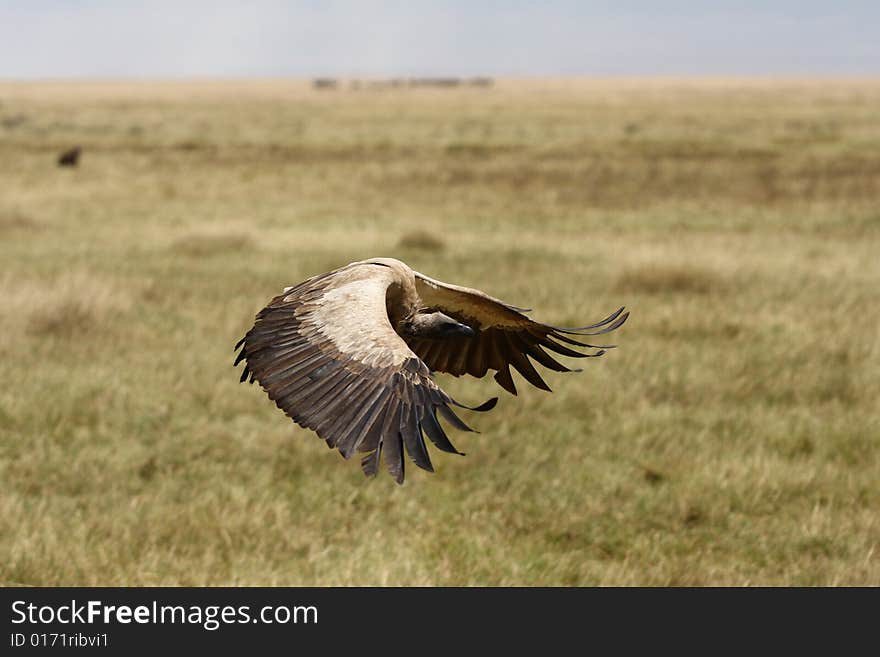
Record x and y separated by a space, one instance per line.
165 38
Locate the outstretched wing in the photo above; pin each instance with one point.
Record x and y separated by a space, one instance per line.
505 336
325 352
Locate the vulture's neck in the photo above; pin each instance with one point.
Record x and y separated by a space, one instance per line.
402 302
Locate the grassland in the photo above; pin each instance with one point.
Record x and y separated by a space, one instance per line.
734 438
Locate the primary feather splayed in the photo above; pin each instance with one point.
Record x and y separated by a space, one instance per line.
350 355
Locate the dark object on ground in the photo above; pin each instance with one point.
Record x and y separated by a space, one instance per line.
70 158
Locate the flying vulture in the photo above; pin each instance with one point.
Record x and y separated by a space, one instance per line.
350 354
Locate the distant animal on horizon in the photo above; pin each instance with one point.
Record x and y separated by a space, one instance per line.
70 158
350 354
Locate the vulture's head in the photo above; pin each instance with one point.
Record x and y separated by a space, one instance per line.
436 326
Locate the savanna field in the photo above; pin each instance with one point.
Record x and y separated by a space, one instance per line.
733 438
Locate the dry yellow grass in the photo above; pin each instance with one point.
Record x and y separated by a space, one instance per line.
732 439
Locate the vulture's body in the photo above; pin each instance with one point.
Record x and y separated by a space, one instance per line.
350 354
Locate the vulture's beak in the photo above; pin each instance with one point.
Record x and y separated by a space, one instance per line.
462 329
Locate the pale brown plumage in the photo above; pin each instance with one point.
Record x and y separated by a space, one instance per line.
350 354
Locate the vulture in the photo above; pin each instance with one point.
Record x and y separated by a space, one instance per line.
351 354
